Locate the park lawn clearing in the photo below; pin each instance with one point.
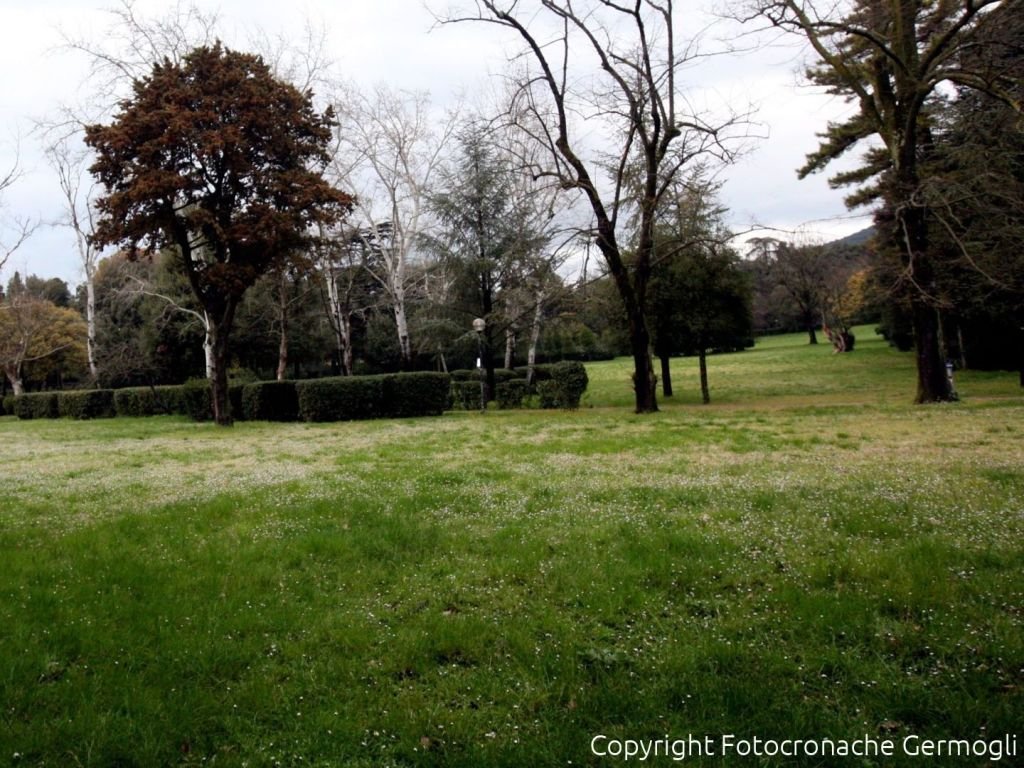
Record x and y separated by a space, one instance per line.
498 590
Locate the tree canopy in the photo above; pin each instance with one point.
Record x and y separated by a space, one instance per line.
217 158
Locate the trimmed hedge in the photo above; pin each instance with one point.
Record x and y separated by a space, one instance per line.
37 405
510 394
566 386
547 394
421 393
87 404
500 374
269 401
340 398
148 401
466 395
541 372
7 406
196 399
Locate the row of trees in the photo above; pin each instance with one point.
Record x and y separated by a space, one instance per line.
376 203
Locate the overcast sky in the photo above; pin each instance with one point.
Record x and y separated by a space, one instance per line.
395 42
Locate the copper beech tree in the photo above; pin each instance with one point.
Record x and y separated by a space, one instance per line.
219 160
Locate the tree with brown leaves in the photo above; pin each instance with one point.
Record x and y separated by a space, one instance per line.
220 160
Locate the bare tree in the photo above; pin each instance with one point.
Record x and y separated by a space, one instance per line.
14 230
70 162
613 65
389 148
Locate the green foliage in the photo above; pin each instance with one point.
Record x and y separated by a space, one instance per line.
421 393
569 380
7 406
36 405
86 404
510 394
504 374
270 401
149 401
195 399
466 395
547 394
343 398
541 372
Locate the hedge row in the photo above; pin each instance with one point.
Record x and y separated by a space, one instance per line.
557 385
333 399
368 397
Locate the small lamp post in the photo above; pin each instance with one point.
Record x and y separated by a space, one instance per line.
479 325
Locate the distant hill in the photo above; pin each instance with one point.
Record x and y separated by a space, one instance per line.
857 238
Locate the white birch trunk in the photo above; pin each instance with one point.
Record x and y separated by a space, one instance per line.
510 346
90 322
208 347
342 324
531 355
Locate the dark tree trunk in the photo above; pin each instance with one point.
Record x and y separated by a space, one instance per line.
220 328
932 383
219 382
282 348
705 392
812 336
666 376
488 362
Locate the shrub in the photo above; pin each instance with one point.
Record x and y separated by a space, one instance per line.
571 381
466 395
86 404
416 394
7 406
510 394
134 401
547 394
195 400
340 398
464 374
148 401
541 372
270 401
566 386
505 374
37 405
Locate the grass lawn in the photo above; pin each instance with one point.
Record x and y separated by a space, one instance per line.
808 557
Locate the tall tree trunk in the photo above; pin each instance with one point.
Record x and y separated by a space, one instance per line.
282 317
17 385
402 324
90 324
208 346
488 363
812 336
531 353
510 346
345 341
932 383
220 330
705 392
912 229
341 322
666 376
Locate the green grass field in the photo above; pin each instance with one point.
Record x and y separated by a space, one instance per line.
810 556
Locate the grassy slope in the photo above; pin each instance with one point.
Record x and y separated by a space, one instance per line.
810 556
